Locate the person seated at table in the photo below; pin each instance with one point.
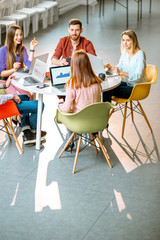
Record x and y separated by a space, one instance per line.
13 56
69 44
83 87
29 111
131 66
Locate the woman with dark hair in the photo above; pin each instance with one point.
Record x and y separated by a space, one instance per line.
83 87
13 56
131 66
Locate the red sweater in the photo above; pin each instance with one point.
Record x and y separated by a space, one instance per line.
64 47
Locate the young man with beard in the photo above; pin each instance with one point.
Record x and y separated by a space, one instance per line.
69 44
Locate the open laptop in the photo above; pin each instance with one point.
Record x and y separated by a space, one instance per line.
37 76
59 76
43 58
98 66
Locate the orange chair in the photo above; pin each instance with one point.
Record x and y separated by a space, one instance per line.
7 110
139 92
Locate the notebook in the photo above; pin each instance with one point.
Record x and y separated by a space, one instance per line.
59 76
37 76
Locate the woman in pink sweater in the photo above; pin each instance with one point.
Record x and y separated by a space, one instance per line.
83 88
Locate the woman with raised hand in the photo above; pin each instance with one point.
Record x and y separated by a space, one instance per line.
83 87
131 66
13 56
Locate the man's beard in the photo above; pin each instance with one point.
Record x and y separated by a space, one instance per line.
75 37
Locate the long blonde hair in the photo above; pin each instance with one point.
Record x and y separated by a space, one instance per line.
9 42
82 73
131 34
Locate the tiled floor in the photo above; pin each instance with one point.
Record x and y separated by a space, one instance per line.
41 199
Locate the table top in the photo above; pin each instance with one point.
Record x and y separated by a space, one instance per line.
108 84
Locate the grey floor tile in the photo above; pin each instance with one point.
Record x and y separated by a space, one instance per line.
127 218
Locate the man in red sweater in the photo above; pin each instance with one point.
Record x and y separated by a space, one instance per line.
68 45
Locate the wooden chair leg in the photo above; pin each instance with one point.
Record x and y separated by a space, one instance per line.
131 111
10 119
77 152
124 119
17 142
94 142
65 146
6 129
112 111
103 150
144 115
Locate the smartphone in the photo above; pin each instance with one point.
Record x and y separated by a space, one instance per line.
43 86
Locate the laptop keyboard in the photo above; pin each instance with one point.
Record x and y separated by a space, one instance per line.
31 80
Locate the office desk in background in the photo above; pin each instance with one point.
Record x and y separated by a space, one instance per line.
110 83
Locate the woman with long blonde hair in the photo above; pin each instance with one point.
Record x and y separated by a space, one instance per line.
131 66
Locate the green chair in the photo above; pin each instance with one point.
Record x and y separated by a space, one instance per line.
92 119
2 92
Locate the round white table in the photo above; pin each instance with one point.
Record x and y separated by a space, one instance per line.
108 84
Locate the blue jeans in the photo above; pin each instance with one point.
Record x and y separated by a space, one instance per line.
122 91
29 111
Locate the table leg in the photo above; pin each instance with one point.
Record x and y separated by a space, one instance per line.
39 121
87 11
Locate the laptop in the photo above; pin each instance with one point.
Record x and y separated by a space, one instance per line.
97 64
59 76
37 76
43 58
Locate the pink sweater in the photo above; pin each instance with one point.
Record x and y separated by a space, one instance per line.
77 99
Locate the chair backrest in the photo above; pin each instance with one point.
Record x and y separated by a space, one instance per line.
9 6
2 92
2 8
8 109
141 90
36 2
93 118
29 3
151 73
19 4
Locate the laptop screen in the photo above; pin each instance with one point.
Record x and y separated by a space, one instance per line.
60 74
39 70
97 64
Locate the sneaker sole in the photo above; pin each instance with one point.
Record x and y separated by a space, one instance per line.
29 142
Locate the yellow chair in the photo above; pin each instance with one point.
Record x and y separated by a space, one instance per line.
139 92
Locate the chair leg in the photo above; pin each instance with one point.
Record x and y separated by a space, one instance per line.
15 138
144 115
131 111
77 152
6 129
112 111
124 119
103 150
94 143
58 129
65 146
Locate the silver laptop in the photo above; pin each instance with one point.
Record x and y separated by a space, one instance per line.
97 64
37 76
59 76
43 58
